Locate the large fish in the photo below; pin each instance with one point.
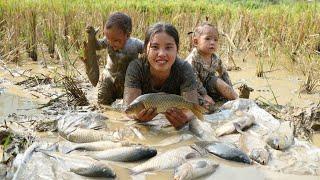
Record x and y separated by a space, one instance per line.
162 102
230 127
96 146
124 154
202 130
169 159
80 135
82 165
282 138
194 169
224 150
255 147
90 56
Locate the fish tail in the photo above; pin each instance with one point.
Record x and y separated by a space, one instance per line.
198 111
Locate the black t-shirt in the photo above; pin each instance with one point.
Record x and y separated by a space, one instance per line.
181 78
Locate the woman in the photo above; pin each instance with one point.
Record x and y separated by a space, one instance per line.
161 71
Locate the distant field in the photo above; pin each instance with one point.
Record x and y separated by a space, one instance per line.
289 29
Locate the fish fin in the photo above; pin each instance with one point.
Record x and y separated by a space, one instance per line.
66 149
191 155
201 164
238 128
198 111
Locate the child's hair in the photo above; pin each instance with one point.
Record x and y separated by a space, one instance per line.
161 27
199 29
121 21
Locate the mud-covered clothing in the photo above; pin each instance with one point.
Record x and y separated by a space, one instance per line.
207 74
180 79
113 76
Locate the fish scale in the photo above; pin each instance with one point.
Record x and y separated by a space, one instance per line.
162 102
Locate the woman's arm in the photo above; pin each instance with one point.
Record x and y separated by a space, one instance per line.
145 115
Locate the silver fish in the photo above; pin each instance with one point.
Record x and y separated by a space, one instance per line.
82 165
124 154
96 146
282 138
169 159
255 147
202 130
80 135
229 127
195 168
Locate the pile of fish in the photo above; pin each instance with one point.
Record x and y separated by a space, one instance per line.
240 132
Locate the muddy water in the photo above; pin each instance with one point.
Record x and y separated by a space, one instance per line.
14 100
316 139
285 85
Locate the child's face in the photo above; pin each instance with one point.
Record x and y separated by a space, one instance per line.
161 51
116 38
207 42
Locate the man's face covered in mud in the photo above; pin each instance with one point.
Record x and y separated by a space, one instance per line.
116 37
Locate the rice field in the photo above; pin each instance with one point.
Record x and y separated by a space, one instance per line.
283 33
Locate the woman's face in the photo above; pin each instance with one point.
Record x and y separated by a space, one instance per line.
161 52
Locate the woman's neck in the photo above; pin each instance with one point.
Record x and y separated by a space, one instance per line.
159 77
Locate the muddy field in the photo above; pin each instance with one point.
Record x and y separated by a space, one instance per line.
29 106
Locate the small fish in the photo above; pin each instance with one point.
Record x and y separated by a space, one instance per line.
96 146
124 154
195 168
169 159
162 102
282 138
255 147
224 150
80 135
82 165
90 56
229 127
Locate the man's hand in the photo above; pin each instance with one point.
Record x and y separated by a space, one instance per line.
177 117
146 115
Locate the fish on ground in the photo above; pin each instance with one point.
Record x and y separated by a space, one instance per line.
162 102
224 150
96 146
124 154
282 138
80 135
202 130
229 127
195 168
169 159
82 165
255 147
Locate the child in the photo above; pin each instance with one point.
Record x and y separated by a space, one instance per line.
161 71
213 82
122 49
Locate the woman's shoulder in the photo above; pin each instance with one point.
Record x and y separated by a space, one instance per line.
182 64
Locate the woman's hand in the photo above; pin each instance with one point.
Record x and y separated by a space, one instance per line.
208 101
145 115
177 117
